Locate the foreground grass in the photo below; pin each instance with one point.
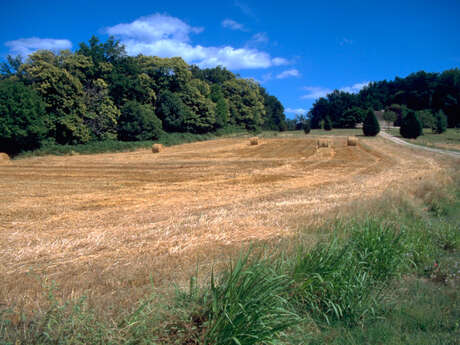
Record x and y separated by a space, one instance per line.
450 139
387 275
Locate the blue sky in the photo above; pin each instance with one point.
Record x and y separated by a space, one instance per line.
297 50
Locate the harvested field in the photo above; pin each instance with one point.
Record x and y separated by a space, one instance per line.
101 224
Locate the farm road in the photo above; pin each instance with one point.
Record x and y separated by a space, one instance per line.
403 142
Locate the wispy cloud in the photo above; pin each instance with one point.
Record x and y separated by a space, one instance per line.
233 25
288 73
26 46
244 8
165 36
346 41
295 111
260 37
355 88
315 92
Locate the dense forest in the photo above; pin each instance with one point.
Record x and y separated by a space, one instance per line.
100 93
426 93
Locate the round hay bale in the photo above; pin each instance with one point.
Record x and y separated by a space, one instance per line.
352 141
4 158
323 143
157 148
254 141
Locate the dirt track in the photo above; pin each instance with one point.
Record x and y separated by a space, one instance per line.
108 221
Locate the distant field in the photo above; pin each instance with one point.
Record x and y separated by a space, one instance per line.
106 223
449 140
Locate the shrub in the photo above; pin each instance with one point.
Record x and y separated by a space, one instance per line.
426 118
138 122
21 118
371 126
306 127
411 127
440 122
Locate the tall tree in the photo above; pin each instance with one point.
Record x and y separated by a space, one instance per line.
22 118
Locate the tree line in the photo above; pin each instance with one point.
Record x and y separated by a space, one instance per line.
100 93
430 95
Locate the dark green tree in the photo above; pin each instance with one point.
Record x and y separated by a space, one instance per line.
351 117
440 122
371 126
172 111
138 122
22 115
411 126
327 124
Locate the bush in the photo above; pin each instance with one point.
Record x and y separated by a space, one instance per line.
371 126
411 127
138 122
21 118
440 122
426 118
306 127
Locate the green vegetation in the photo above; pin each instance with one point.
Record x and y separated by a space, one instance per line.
411 127
421 91
387 275
439 123
371 126
450 139
306 127
99 93
22 117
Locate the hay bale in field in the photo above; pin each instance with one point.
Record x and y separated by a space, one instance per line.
323 143
352 141
157 148
4 158
254 141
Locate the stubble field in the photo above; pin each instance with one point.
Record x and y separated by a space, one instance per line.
109 225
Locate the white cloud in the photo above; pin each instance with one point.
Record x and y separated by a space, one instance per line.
26 46
288 73
295 111
154 27
165 36
355 88
233 25
315 92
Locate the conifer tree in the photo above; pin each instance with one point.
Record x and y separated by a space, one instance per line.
371 126
411 127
